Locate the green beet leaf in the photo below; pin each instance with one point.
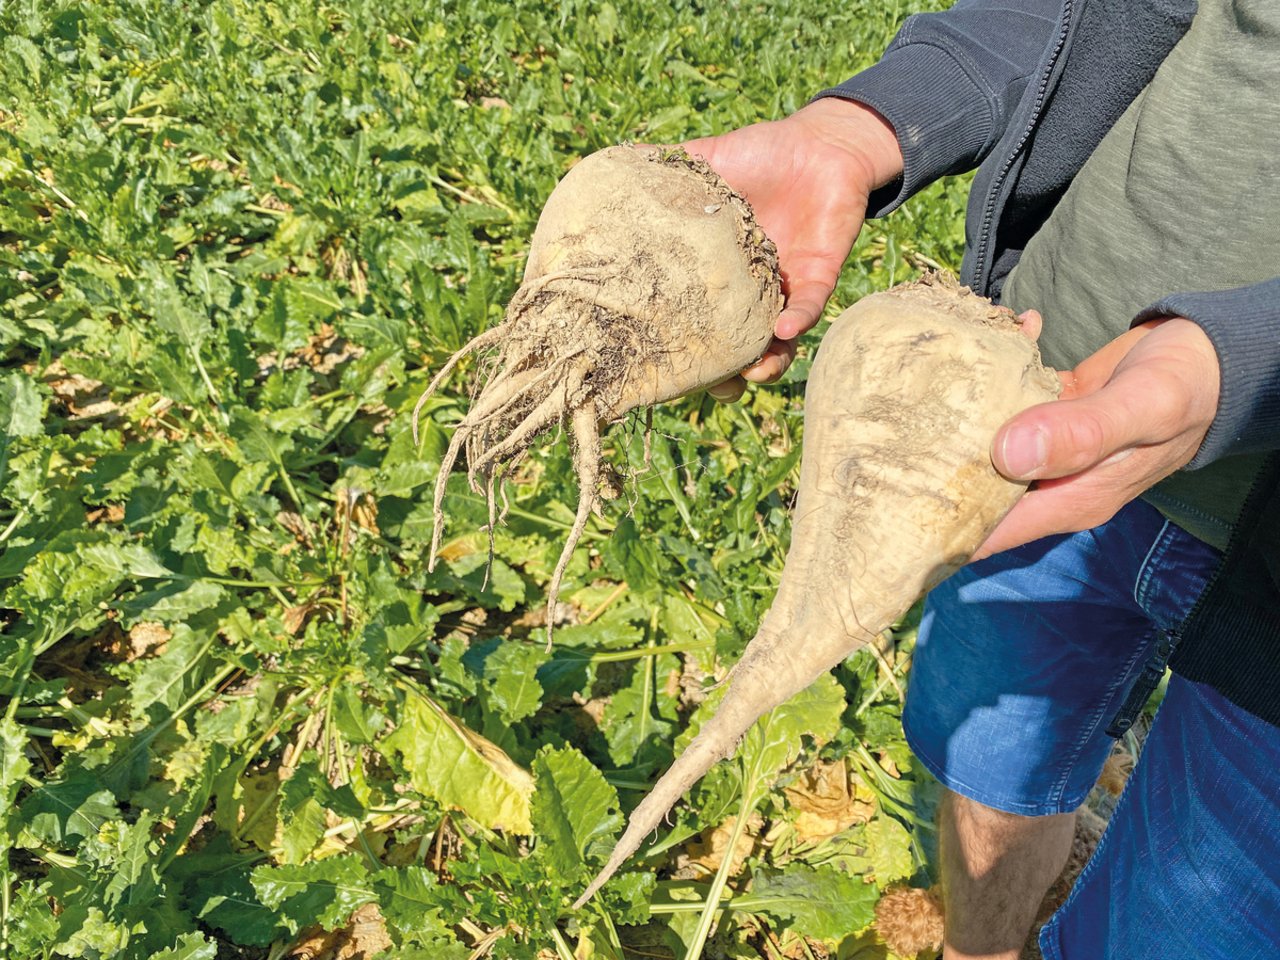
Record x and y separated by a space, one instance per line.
459 768
190 946
410 901
322 892
824 903
575 810
20 406
776 739
889 847
512 673
61 809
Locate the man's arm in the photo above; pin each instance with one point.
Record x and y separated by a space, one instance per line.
1243 325
1195 380
950 82
807 177
943 93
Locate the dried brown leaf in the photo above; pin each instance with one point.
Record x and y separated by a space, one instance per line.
147 640
108 513
364 937
705 854
84 397
295 618
294 523
827 802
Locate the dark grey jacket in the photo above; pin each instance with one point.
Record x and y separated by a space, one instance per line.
1024 90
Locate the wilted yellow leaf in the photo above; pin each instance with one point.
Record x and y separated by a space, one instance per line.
461 769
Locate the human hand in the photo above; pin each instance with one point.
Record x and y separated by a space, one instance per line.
1129 415
808 178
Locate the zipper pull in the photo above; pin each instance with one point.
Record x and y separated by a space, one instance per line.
1145 685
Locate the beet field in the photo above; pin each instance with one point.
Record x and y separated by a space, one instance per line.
239 716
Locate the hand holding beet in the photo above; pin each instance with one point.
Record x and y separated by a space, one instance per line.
1129 416
808 178
896 491
648 278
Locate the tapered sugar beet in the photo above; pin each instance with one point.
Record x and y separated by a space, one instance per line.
896 491
647 279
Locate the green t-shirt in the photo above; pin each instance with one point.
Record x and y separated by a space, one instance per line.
1182 194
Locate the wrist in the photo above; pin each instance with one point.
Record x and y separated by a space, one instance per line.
1203 371
860 132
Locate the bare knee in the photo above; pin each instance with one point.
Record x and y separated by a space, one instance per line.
968 811
979 837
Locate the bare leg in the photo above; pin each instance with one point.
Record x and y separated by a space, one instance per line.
996 868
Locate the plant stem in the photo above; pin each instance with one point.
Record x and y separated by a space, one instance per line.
587 534
562 948
13 525
250 584
713 906
607 602
618 656
297 502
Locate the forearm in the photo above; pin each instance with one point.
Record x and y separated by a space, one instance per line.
950 82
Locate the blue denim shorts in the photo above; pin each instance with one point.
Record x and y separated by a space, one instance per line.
1022 663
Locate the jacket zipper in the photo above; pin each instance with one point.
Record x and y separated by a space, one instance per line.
988 215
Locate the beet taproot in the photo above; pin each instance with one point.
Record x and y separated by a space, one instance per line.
897 490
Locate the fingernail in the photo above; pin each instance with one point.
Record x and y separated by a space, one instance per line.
726 393
766 371
1024 450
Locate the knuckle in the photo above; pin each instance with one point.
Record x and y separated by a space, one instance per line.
1084 438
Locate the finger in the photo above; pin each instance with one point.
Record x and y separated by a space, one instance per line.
1029 520
1030 323
777 358
1038 514
1062 438
1096 369
805 300
728 391
1057 506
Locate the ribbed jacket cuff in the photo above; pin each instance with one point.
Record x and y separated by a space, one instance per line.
1244 326
941 116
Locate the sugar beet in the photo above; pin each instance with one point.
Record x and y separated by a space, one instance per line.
896 491
647 279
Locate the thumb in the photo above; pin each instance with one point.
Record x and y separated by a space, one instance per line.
1064 437
805 301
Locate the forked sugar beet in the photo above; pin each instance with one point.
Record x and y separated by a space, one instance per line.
647 279
896 491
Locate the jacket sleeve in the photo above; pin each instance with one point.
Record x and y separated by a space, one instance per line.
949 84
1244 327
